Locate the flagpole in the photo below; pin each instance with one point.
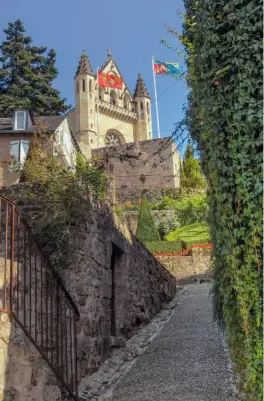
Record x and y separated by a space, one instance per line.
97 114
156 99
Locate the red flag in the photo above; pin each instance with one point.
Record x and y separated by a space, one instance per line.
160 68
110 81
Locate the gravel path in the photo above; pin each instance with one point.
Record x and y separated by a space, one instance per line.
185 362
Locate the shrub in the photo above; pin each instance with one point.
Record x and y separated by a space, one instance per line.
191 233
164 247
188 209
146 228
63 192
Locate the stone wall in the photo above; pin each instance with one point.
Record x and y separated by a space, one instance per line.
116 284
148 165
188 268
24 375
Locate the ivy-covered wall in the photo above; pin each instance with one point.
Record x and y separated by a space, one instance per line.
224 59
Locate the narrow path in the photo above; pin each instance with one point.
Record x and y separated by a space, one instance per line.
186 361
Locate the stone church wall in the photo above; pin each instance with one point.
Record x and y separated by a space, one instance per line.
106 123
152 165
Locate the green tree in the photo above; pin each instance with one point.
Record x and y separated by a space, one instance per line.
26 75
146 228
191 175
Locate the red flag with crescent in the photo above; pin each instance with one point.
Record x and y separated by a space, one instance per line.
110 81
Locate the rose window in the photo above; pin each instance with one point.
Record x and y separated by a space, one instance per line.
112 139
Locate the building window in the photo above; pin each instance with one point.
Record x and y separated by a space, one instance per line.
20 120
90 86
91 125
19 150
78 88
83 85
113 98
126 101
141 108
101 93
111 139
148 110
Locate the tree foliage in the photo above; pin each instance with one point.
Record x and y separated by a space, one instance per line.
26 75
146 228
191 174
223 42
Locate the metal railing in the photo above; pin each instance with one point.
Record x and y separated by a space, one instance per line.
33 293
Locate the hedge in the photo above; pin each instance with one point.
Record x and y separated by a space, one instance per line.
223 41
193 232
164 246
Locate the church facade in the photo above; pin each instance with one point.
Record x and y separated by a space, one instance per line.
104 116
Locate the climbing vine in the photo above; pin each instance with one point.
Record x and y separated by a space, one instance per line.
223 42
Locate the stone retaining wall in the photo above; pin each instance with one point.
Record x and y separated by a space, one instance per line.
188 268
116 284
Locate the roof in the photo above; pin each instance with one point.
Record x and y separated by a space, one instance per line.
51 123
108 61
84 66
141 89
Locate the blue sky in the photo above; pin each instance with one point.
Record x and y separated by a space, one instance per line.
131 29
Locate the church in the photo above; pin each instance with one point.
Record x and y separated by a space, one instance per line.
105 116
109 123
116 125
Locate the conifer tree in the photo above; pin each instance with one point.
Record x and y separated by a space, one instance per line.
191 174
146 228
26 75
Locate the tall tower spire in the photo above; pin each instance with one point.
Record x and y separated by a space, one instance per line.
85 124
84 66
141 89
143 109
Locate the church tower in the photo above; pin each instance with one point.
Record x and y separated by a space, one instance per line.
143 109
85 112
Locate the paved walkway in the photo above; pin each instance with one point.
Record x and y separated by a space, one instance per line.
185 362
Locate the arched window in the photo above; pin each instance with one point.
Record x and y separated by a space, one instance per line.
126 101
141 108
77 88
111 139
148 110
83 85
90 86
101 93
113 97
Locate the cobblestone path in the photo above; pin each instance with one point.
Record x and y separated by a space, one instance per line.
186 361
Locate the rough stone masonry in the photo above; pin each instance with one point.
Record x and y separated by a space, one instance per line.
117 286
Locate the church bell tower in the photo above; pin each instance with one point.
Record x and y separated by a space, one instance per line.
85 107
